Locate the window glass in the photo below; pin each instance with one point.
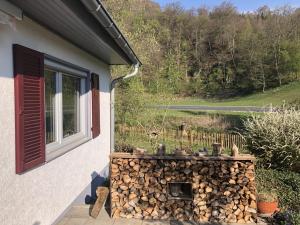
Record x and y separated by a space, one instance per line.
70 99
67 120
50 90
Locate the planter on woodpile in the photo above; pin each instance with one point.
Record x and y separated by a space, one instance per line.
215 189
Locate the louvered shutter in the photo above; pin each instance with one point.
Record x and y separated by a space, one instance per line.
95 105
29 108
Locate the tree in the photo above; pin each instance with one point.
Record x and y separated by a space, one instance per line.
217 53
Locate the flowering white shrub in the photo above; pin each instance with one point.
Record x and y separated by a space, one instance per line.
274 137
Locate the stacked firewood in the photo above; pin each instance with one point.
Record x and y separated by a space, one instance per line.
223 191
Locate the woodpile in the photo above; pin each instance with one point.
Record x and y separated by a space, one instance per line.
223 191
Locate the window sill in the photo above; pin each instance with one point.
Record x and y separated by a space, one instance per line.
55 150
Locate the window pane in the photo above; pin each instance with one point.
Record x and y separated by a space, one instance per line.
70 95
50 90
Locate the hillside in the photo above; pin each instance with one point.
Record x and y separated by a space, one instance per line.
210 52
287 93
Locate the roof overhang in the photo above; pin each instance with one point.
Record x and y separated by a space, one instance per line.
73 21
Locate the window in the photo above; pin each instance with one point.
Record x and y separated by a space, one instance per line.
50 91
70 105
66 109
55 102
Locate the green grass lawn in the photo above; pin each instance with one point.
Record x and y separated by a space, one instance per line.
287 93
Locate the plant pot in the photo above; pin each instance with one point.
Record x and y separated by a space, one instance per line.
267 207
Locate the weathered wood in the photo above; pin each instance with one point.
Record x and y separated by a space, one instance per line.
102 193
234 151
240 157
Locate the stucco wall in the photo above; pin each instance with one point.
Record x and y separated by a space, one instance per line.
39 196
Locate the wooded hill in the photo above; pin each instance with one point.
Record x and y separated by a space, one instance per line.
210 52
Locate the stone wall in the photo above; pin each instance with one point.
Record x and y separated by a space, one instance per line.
223 188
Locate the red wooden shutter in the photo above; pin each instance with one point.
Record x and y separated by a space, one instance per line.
29 108
95 105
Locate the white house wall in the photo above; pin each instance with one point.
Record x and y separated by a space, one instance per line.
40 195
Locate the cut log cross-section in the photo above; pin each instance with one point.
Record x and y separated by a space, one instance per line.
102 193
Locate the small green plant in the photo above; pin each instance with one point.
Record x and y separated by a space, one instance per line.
267 196
285 184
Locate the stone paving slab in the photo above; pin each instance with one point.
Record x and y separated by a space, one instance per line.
78 212
76 221
125 222
155 222
80 215
63 221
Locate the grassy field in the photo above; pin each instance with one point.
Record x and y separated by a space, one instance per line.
212 121
209 121
156 120
288 93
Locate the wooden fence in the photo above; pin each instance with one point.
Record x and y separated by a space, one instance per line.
193 137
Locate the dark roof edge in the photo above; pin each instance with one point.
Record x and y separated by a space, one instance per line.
98 10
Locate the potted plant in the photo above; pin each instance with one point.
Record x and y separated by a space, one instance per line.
267 202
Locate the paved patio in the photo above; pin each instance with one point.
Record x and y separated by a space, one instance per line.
79 215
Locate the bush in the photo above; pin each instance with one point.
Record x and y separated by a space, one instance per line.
285 184
286 218
274 138
295 103
129 100
296 218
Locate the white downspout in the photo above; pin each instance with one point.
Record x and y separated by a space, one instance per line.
112 104
98 11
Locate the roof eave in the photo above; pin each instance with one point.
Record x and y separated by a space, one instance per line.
97 9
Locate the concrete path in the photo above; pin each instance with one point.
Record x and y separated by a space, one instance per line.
213 108
79 215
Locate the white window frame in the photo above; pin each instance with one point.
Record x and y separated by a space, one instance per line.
63 145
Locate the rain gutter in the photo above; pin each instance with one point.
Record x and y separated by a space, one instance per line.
96 8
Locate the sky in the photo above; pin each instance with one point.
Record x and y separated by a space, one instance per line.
242 5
